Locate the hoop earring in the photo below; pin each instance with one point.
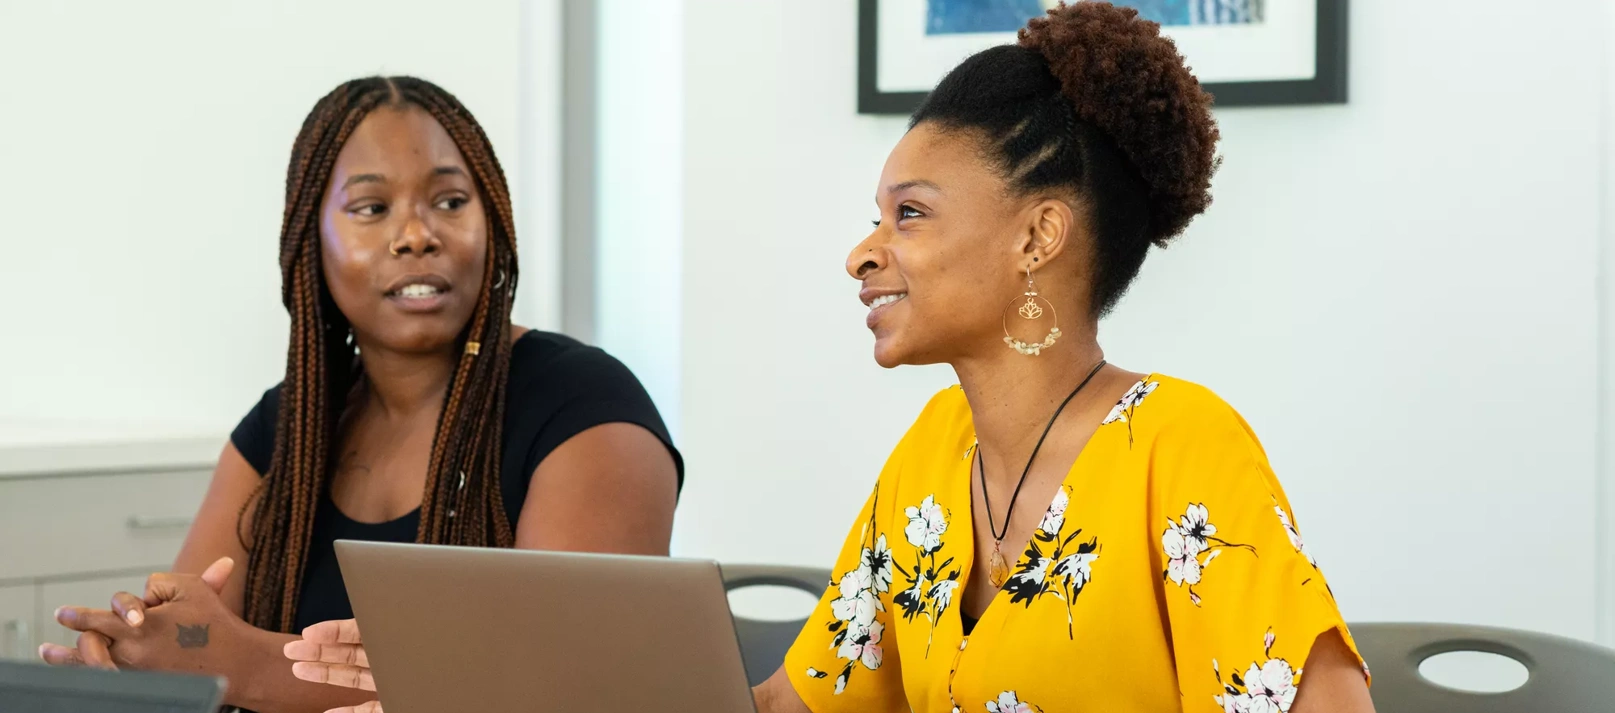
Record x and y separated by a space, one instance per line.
393 249
1030 310
499 282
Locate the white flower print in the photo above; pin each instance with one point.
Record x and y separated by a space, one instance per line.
930 585
1009 702
858 609
1269 687
878 561
857 631
1234 702
1272 687
1054 519
1295 535
1079 567
926 523
1033 572
862 644
1183 542
942 593
1196 524
1134 396
1182 567
1063 572
912 598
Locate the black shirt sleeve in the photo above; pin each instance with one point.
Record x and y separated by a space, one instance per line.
254 437
580 388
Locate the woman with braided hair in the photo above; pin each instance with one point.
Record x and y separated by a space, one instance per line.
412 410
1134 554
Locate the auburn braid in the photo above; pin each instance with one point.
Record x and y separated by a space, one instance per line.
461 503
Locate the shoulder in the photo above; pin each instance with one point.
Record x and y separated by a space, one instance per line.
1192 438
1161 410
945 421
559 387
254 436
941 435
555 364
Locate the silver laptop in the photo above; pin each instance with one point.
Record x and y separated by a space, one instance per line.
36 688
454 628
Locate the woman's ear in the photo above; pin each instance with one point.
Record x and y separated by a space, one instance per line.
1048 232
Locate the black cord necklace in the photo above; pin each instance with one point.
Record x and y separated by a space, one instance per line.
1000 567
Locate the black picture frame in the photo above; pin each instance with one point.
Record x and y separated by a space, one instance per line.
1327 86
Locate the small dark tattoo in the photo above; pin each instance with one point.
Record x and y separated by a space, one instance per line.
192 637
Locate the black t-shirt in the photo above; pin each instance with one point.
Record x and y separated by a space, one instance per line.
557 389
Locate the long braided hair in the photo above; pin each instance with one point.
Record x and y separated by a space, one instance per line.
461 504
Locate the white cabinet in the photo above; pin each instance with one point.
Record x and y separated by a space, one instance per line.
79 522
69 525
18 622
84 593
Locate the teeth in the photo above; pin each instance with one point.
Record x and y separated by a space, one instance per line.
417 291
886 300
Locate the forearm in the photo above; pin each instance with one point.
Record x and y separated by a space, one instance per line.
777 696
261 680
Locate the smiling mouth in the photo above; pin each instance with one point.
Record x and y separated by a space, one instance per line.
417 292
884 300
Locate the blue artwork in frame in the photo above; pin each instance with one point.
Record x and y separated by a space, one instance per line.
1245 52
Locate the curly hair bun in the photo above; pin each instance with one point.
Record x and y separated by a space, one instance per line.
1130 83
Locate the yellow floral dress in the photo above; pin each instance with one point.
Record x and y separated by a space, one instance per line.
1167 574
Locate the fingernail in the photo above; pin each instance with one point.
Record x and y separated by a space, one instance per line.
135 618
63 613
42 649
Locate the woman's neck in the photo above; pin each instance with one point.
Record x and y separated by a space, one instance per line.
403 385
1012 396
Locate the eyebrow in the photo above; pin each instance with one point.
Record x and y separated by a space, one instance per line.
919 183
378 178
363 178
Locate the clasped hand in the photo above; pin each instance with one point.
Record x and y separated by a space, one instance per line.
169 628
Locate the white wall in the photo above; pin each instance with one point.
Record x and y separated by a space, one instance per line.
1398 293
1606 347
638 189
144 148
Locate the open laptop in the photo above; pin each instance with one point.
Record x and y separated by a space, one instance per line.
37 688
454 628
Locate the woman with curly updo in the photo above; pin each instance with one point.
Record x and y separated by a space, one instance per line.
1058 533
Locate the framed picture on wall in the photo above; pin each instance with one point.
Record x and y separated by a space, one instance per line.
1245 52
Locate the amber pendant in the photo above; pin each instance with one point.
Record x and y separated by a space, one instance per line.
1000 569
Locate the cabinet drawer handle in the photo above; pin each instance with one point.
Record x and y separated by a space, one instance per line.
154 522
19 644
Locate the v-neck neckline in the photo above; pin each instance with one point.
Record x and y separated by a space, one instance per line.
968 566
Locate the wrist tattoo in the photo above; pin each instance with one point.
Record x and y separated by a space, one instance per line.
193 637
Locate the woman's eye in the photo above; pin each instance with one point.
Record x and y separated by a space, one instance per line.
454 203
370 210
907 212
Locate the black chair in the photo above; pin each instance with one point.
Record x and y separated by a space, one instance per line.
763 643
1566 676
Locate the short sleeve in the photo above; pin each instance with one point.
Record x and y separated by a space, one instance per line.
582 388
845 659
1245 599
254 437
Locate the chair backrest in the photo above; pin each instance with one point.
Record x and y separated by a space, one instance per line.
1566 676
763 643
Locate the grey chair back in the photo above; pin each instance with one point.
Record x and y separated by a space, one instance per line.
1566 676
763 643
